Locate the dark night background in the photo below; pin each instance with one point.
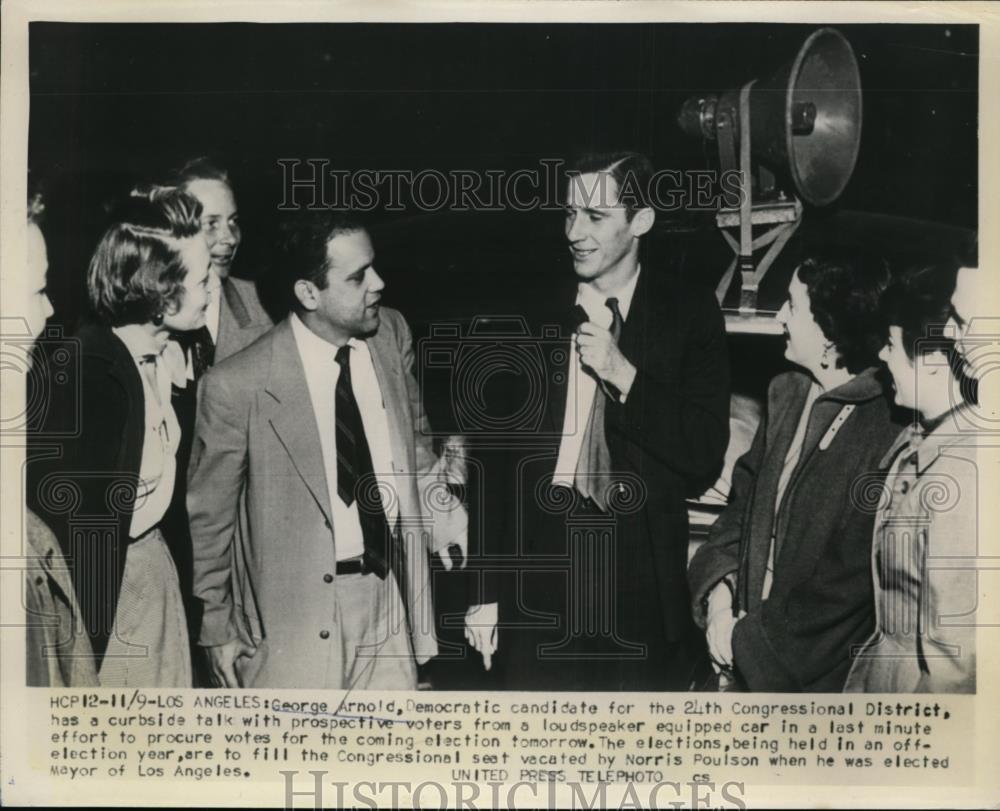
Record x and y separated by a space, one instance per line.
116 103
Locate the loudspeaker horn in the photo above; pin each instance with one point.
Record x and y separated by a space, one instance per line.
805 120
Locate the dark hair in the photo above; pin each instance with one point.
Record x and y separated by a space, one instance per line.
632 173
919 303
844 289
303 245
136 271
200 168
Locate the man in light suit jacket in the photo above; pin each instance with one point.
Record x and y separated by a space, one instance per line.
234 319
314 493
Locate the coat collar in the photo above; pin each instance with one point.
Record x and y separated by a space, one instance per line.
99 341
291 414
387 362
861 388
928 446
234 301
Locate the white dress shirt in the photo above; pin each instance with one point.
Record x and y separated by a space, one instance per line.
319 359
581 384
214 304
158 462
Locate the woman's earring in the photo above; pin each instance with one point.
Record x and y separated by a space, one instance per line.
158 320
824 362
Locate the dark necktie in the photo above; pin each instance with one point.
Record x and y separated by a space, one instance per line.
202 352
354 466
199 346
593 467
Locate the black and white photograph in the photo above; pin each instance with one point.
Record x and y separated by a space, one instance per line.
426 361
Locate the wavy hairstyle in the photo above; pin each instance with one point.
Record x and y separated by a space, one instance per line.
631 171
844 289
136 273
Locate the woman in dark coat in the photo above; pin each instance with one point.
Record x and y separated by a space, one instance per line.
783 585
107 486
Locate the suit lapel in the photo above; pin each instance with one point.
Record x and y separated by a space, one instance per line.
557 374
556 371
633 341
781 424
288 407
388 371
233 316
237 308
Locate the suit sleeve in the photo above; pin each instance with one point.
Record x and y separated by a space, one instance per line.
216 479
684 423
446 518
719 556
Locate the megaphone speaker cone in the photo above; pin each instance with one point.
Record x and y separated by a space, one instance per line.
806 119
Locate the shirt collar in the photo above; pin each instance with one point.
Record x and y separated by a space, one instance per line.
316 350
594 302
142 345
927 444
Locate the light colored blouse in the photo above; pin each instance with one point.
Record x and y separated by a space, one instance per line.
159 365
925 558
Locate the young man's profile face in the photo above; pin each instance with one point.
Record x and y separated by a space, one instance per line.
600 235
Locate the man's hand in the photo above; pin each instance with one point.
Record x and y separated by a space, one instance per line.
719 632
222 661
458 550
599 351
454 471
481 630
454 467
